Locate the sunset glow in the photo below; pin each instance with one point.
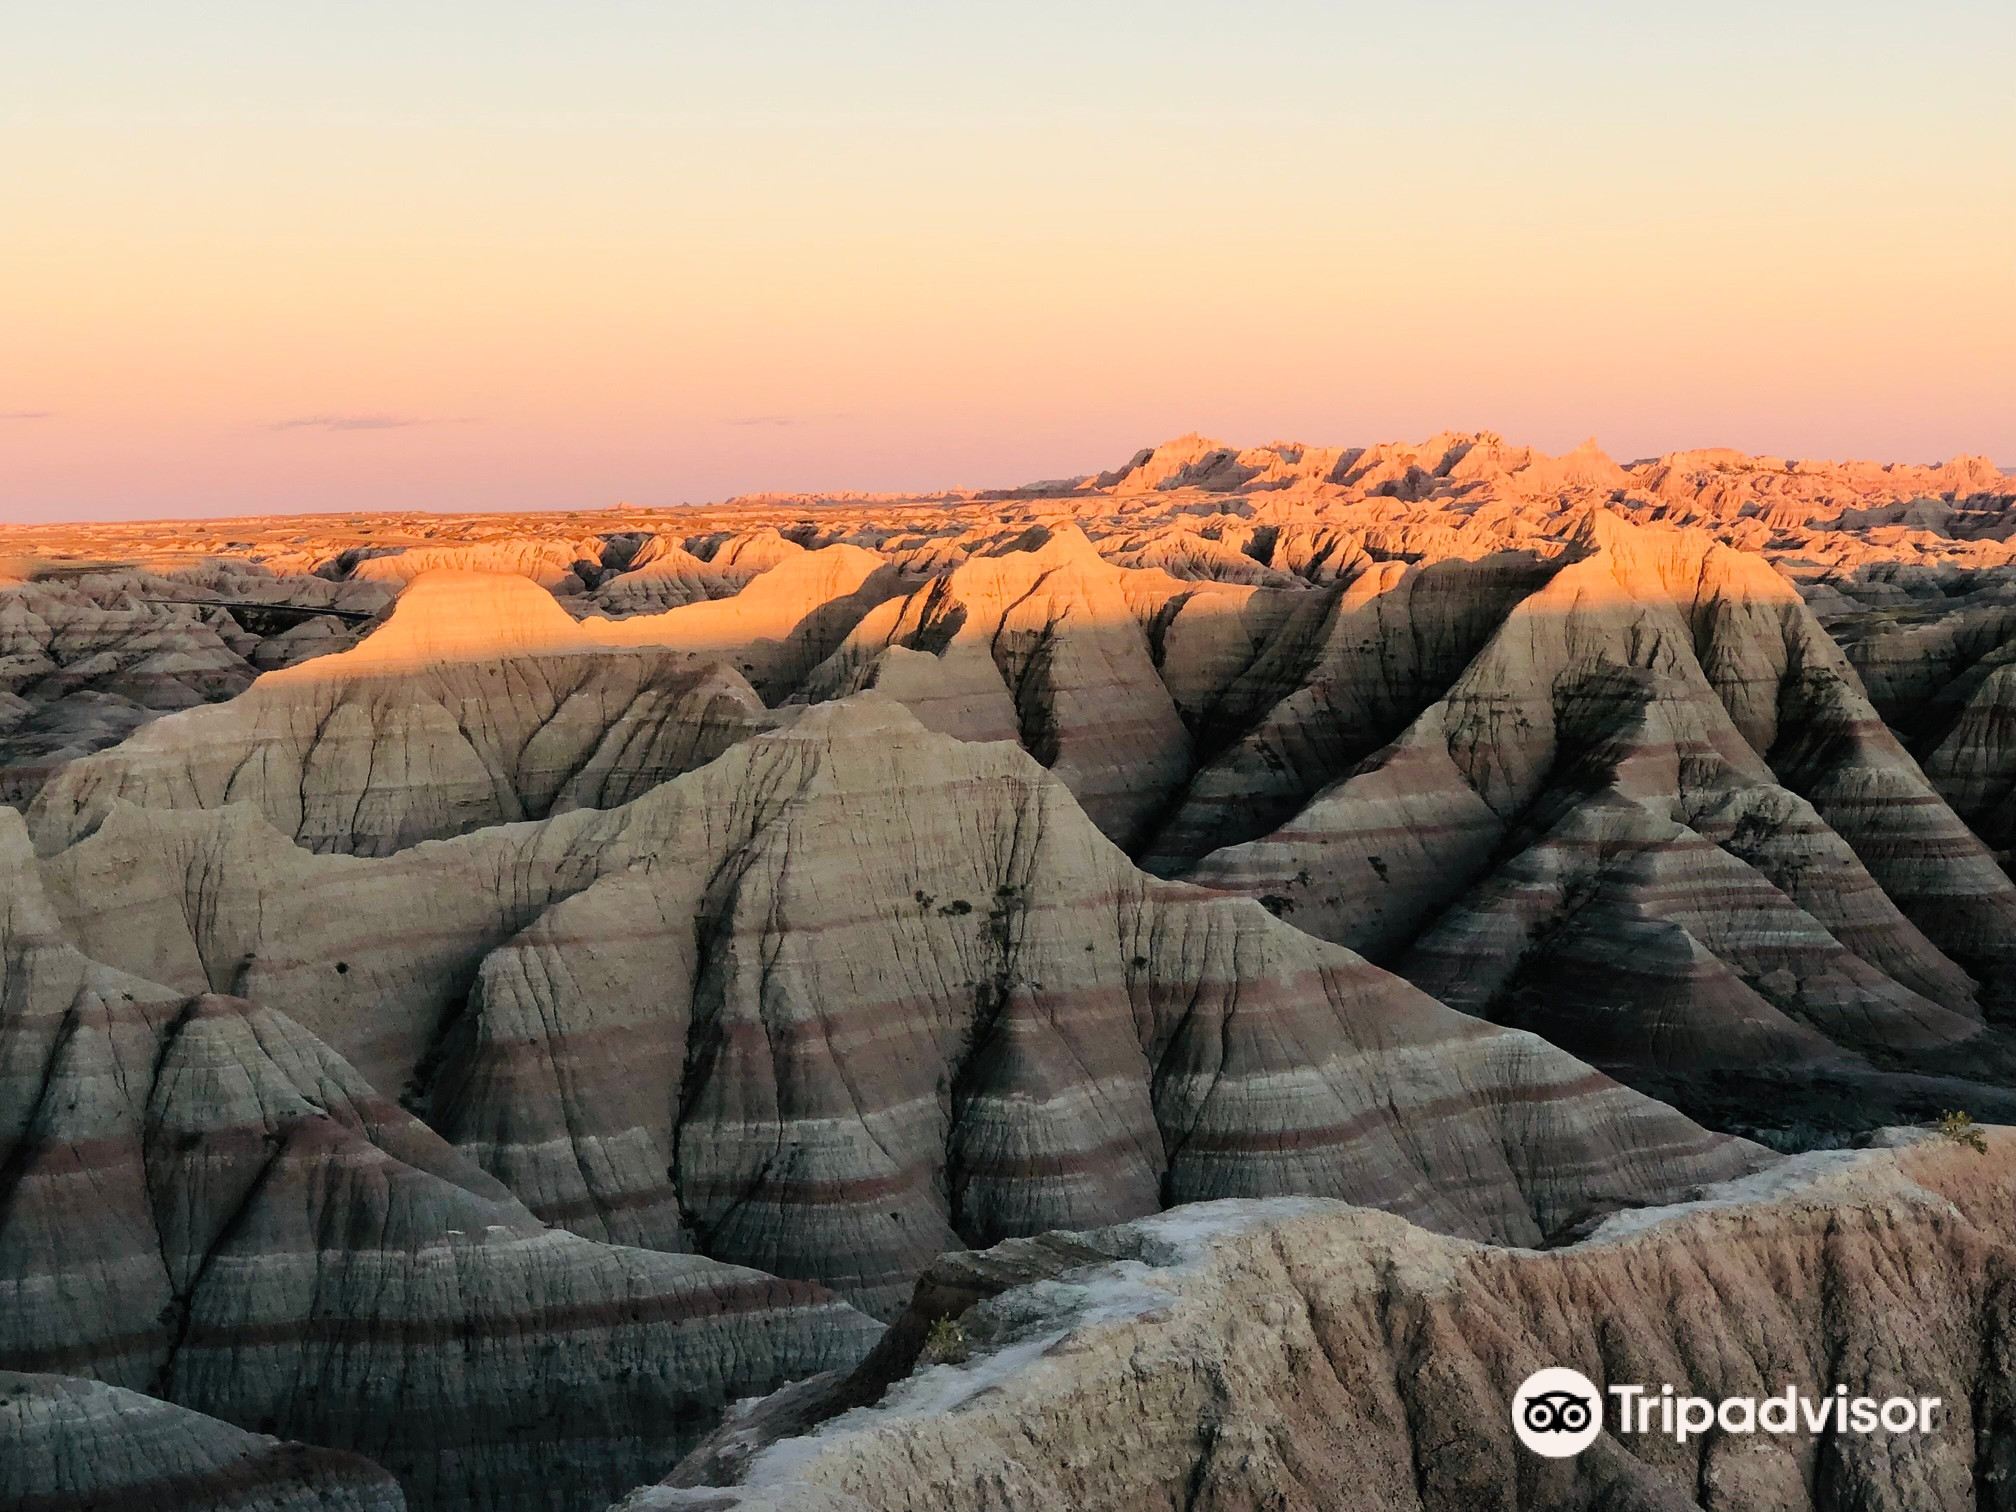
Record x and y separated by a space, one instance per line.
524 255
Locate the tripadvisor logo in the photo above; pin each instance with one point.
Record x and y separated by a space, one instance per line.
1558 1412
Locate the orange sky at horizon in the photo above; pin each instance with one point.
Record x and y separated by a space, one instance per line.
609 258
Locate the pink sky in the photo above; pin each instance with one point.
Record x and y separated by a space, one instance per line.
566 261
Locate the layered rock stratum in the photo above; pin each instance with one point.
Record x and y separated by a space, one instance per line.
70 1445
483 993
201 1201
671 1024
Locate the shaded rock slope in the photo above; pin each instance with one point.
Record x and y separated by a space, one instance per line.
69 1445
1655 819
201 1201
1243 1356
855 993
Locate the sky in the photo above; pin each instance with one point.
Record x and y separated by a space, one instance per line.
529 254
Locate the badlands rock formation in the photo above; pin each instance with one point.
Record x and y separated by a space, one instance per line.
856 993
477 982
1306 1354
1040 643
1658 732
662 573
480 702
69 1445
201 1201
86 658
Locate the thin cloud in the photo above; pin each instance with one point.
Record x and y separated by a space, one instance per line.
779 420
364 422
27 414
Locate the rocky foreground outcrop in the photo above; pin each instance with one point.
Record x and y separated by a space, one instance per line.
1309 1355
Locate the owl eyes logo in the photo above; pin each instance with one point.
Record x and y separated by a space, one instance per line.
1557 1412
